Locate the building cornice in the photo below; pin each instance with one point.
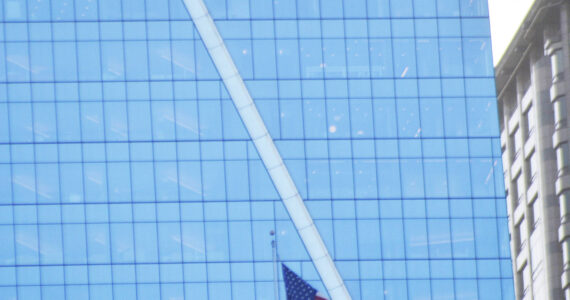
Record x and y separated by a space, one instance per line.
537 16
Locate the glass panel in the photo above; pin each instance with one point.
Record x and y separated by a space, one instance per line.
127 172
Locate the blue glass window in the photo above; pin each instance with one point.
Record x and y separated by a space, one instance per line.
127 172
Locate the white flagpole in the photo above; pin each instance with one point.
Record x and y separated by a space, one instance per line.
275 266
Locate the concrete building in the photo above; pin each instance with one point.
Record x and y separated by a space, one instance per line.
532 79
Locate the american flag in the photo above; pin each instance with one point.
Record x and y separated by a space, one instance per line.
297 288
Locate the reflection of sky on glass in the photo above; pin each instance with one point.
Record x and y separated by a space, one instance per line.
505 16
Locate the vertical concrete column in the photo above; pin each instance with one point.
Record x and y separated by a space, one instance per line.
556 48
540 76
525 84
508 100
562 79
508 158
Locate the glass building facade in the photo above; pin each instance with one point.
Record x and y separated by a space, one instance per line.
126 171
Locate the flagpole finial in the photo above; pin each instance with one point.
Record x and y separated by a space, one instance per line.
275 270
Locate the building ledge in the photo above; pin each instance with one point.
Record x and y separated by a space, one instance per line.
522 258
559 137
557 90
562 184
563 232
565 279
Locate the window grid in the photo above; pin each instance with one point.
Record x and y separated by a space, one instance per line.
454 145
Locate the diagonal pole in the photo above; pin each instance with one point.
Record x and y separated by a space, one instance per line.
267 151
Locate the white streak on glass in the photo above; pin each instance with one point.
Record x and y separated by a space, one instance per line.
267 150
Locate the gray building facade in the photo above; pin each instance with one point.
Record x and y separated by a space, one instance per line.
532 86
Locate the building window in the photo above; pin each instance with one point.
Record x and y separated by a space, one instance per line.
530 119
531 167
515 193
521 230
516 139
516 238
534 213
526 279
519 183
523 79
